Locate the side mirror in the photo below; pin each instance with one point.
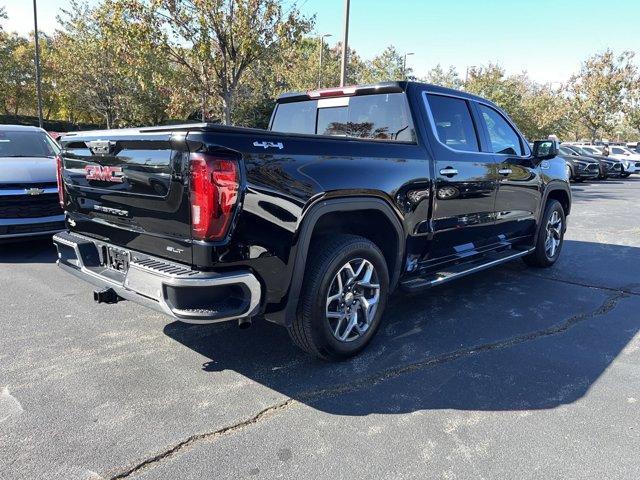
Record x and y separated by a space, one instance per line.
545 149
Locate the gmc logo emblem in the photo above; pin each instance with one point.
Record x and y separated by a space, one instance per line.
104 174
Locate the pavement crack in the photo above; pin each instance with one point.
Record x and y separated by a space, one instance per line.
627 289
314 395
207 436
377 378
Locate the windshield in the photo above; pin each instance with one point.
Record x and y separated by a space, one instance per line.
580 151
26 144
567 151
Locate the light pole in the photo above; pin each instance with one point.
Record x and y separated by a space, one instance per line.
404 65
37 59
322 37
345 45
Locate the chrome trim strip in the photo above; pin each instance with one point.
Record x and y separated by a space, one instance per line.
44 233
30 221
477 268
23 191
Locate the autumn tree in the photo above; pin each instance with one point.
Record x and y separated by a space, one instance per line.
598 91
109 64
16 74
217 41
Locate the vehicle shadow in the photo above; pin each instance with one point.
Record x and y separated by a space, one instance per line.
504 339
40 250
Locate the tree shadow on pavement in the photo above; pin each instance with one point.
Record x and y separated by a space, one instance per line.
510 338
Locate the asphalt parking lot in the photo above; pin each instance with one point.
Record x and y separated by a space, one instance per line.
511 373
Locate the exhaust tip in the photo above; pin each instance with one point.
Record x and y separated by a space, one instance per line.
244 323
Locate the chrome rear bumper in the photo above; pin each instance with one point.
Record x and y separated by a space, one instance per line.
188 295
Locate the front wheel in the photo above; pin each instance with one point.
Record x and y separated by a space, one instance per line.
550 238
625 175
344 294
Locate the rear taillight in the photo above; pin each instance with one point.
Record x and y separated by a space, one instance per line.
214 193
59 180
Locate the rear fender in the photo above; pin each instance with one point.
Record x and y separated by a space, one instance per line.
306 229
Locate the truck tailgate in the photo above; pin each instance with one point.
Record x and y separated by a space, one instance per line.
129 189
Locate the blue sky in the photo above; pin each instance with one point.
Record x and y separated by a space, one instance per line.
546 38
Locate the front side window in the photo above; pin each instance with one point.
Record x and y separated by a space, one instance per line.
566 151
27 144
618 151
504 139
454 126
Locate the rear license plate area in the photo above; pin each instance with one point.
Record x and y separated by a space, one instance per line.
115 259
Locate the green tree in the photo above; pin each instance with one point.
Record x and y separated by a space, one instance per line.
16 74
598 91
108 64
387 66
217 41
438 76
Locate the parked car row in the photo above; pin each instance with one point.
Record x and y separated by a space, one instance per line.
593 162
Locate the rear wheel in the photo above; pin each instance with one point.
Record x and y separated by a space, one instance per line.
550 238
344 294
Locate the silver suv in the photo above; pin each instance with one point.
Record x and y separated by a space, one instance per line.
29 204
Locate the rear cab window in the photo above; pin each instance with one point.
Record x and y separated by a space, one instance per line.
382 117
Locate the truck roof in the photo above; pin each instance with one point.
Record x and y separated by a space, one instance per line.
373 88
20 128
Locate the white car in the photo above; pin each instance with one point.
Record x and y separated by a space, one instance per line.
29 203
630 160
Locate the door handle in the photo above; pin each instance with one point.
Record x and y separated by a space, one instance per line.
449 172
505 171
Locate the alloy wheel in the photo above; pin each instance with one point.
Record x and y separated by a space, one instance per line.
352 300
554 235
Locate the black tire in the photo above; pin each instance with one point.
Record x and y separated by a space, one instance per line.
312 330
541 256
625 175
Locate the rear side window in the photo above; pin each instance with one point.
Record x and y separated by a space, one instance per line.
373 117
454 126
618 151
503 137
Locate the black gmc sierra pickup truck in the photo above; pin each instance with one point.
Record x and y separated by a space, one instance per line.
311 224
